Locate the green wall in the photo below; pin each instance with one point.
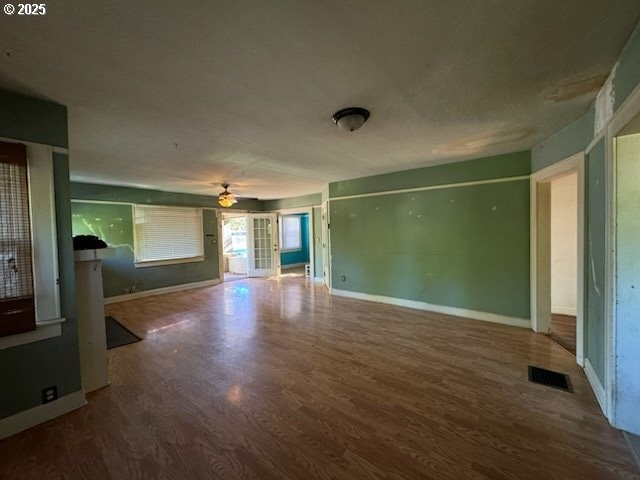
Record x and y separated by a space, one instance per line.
26 369
498 166
32 120
292 202
317 241
595 257
110 193
114 224
464 246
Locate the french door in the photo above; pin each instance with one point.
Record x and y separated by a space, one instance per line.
263 249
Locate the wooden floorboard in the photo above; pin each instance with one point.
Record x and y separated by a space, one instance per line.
563 331
266 379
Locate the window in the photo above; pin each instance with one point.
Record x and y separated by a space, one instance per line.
17 300
290 238
165 235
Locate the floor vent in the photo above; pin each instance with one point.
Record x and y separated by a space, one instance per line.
549 378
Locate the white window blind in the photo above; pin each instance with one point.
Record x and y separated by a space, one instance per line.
290 233
165 234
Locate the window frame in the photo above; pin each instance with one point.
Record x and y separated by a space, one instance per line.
44 240
281 233
169 261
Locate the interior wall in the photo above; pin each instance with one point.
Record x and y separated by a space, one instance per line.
317 241
26 369
564 241
292 202
575 138
627 286
459 246
113 223
302 255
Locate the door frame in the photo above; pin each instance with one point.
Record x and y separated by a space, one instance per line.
625 113
220 213
309 212
540 244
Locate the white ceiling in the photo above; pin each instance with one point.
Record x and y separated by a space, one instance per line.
246 89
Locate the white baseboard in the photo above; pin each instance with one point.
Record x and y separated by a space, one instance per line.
40 414
160 291
458 312
293 265
571 311
596 385
318 279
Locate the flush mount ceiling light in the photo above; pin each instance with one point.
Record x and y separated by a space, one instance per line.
351 119
226 198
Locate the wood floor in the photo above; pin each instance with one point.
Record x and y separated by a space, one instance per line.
563 331
266 379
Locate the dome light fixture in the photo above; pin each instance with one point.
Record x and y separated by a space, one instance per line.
226 198
351 118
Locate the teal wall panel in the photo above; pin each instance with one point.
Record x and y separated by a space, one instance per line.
465 247
114 224
628 74
595 258
302 255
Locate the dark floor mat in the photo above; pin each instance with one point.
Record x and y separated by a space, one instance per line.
117 334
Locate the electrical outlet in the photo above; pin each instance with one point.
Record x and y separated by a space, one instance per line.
344 279
49 394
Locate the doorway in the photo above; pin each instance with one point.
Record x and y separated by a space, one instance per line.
249 246
564 260
295 244
234 247
557 258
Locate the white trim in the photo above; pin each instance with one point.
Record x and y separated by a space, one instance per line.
293 265
595 141
43 331
596 385
104 202
291 211
27 142
558 310
170 261
160 291
40 414
629 109
433 187
62 150
540 282
455 311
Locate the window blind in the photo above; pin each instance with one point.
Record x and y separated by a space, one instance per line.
167 233
290 233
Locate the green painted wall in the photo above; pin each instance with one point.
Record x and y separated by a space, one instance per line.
628 75
465 247
595 257
572 139
26 369
114 224
509 165
32 120
627 276
110 193
317 241
293 202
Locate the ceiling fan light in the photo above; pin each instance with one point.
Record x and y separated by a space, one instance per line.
226 199
351 119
